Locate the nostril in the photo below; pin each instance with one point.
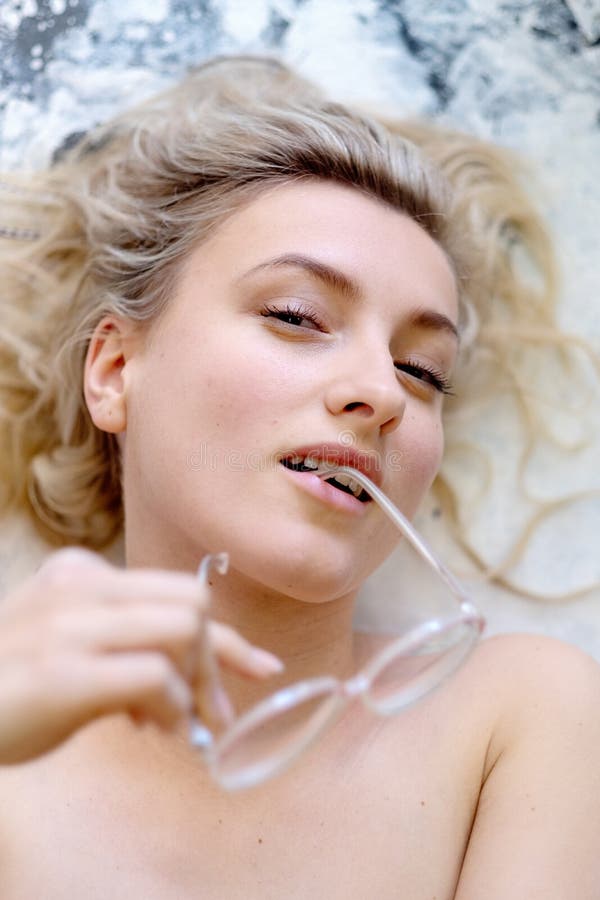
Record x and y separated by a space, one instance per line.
350 407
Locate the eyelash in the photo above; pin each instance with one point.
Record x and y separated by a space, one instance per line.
293 311
435 378
416 369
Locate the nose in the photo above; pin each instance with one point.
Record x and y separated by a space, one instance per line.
367 396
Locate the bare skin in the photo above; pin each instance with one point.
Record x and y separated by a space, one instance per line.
466 795
490 788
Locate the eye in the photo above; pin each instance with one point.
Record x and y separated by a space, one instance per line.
295 315
427 375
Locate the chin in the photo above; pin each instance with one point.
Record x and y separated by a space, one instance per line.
305 574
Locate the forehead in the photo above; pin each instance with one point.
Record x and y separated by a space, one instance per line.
375 245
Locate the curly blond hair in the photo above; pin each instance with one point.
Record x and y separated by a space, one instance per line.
106 229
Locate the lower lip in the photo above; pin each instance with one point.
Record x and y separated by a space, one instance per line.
325 492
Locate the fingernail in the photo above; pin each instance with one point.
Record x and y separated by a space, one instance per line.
266 662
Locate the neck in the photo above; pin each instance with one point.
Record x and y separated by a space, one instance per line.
312 639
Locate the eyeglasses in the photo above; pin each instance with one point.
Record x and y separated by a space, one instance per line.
266 739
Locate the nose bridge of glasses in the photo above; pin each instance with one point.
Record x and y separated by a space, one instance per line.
354 687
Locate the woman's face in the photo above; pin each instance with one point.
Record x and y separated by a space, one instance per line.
313 316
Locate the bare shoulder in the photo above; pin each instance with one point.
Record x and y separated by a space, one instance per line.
539 807
533 653
534 683
511 680
537 675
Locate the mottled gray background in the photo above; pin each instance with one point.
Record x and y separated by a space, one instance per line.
525 74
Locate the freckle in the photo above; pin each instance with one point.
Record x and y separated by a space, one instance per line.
220 821
260 840
422 803
533 809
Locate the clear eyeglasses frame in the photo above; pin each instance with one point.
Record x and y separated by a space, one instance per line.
266 739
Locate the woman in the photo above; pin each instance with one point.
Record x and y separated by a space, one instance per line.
244 278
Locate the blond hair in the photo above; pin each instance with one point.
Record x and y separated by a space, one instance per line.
106 229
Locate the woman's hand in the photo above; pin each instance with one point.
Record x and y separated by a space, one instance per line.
81 639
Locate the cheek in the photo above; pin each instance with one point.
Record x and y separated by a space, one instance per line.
428 450
414 465
244 389
433 451
217 400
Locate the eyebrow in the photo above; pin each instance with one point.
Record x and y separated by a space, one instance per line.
333 278
426 319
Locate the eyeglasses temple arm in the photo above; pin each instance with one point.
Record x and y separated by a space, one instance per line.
402 523
199 734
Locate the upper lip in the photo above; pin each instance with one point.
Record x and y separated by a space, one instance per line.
338 454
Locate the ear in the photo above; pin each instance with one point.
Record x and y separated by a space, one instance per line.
103 378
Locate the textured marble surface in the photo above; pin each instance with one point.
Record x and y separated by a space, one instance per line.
526 74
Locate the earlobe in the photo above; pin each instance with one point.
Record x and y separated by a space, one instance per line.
103 379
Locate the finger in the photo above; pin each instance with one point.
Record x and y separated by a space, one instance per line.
43 705
218 643
152 586
212 702
79 574
58 571
170 628
72 557
145 684
235 652
119 628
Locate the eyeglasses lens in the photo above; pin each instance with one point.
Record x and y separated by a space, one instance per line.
272 736
414 671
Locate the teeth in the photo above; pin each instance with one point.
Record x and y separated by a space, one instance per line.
356 488
302 464
348 481
310 463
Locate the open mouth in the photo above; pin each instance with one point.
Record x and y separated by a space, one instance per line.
342 482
